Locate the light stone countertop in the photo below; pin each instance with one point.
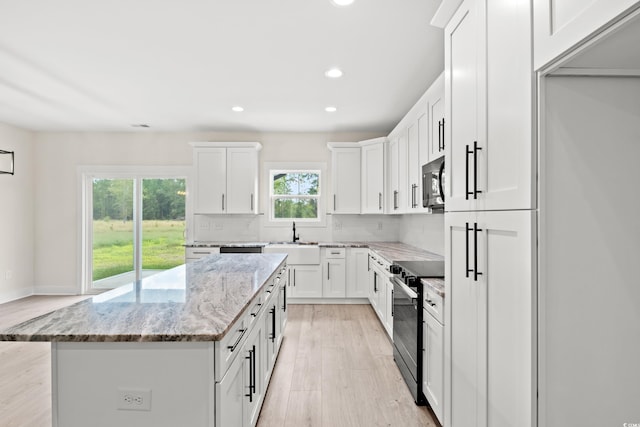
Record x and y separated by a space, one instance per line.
199 301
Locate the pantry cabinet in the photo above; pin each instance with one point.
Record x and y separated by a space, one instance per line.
489 88
489 306
373 175
345 177
226 178
562 24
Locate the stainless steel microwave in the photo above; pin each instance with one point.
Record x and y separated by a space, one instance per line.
433 176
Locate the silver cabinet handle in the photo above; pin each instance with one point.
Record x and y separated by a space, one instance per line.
328 270
334 202
380 201
252 202
222 201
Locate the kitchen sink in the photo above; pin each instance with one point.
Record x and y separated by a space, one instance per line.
299 252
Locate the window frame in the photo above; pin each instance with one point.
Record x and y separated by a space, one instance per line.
273 168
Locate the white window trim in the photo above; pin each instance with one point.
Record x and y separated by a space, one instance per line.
86 174
295 167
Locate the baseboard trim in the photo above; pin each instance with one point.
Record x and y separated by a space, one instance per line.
327 301
56 290
15 295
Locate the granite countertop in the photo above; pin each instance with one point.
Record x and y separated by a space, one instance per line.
199 301
436 285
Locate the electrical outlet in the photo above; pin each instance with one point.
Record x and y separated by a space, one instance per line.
8 275
218 226
134 399
337 225
204 224
379 226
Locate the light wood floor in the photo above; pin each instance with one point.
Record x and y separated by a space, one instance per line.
335 369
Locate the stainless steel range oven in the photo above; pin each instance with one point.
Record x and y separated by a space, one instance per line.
408 317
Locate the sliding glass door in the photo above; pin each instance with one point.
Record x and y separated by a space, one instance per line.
135 227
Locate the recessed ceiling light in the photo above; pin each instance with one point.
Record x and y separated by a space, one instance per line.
342 2
237 109
334 73
331 109
140 125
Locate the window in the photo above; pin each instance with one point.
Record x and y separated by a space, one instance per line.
295 195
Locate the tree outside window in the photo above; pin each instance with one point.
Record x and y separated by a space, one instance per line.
295 195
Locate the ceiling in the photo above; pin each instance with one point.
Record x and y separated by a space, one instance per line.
78 65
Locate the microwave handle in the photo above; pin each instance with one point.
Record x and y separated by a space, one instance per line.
440 173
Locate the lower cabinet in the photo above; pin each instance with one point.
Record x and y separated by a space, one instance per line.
305 281
357 273
433 364
241 391
490 376
381 295
334 273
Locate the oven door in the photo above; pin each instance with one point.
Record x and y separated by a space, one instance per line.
406 310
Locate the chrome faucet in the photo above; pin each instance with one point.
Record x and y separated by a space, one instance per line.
295 238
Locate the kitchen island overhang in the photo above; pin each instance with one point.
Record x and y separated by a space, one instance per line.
173 340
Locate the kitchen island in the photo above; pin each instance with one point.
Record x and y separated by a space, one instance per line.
194 345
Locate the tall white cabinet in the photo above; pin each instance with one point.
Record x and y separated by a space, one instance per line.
373 176
490 377
345 177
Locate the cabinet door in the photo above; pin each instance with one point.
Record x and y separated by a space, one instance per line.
357 274
388 306
373 178
334 278
404 194
346 178
464 50
230 394
438 124
433 364
254 374
413 168
211 180
563 24
393 166
242 180
306 281
270 327
489 373
489 115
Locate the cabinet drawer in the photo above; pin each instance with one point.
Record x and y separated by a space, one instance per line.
200 252
434 304
334 252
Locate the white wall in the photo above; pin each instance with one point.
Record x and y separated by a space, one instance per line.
58 156
16 216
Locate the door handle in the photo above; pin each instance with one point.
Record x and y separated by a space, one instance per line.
380 201
222 201
251 201
273 323
328 270
250 359
476 230
466 174
475 169
334 202
466 252
443 134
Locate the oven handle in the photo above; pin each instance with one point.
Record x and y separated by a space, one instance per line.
405 289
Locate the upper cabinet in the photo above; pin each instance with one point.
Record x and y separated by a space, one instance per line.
489 111
226 178
373 175
345 177
397 176
436 128
562 24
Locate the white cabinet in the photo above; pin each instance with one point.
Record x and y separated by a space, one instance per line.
345 177
413 169
381 291
562 24
433 352
226 178
334 273
305 281
357 273
397 176
373 175
437 124
489 126
489 306
193 254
